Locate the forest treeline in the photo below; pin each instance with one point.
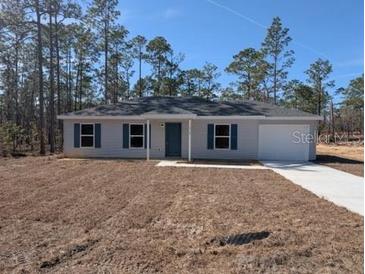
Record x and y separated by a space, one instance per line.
57 57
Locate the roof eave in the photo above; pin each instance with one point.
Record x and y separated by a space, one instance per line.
296 118
190 116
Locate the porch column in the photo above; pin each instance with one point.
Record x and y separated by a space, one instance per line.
189 152
148 140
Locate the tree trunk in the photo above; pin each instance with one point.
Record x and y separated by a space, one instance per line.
58 70
40 78
116 86
128 83
249 86
158 77
8 95
51 94
332 123
140 72
76 86
16 88
319 102
80 87
106 45
69 81
275 78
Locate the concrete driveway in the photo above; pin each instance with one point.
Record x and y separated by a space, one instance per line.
341 188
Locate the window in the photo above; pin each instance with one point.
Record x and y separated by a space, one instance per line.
87 135
136 136
221 136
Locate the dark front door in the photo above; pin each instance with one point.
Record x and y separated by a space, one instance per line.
173 139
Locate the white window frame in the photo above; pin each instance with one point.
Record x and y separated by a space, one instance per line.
221 136
130 135
87 135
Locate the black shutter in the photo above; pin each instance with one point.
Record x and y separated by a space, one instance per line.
76 135
210 141
125 135
234 136
97 135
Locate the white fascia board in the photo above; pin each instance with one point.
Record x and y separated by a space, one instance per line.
127 117
231 117
300 118
168 116
189 116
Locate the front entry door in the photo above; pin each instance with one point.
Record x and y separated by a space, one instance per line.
173 139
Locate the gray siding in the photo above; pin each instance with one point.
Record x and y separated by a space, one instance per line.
112 139
247 141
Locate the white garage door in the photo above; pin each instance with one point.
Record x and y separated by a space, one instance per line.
283 142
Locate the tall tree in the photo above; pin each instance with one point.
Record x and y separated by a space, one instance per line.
102 14
139 43
13 32
50 10
120 50
210 84
191 82
173 79
127 65
62 11
251 68
354 93
143 87
85 57
352 107
38 11
229 93
157 55
318 74
300 96
280 59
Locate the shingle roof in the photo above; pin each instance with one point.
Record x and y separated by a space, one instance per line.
189 105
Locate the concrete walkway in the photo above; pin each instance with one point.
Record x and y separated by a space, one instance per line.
341 188
171 163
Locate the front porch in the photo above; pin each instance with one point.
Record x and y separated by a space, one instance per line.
173 136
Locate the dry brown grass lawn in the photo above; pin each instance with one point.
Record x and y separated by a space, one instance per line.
70 216
343 157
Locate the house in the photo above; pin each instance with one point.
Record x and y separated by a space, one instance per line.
190 128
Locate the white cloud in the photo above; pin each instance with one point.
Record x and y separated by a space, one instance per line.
349 75
172 13
350 63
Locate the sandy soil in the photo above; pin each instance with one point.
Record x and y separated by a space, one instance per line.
343 157
78 216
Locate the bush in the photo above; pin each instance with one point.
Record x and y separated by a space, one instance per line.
11 135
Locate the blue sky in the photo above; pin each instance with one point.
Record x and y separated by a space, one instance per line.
215 30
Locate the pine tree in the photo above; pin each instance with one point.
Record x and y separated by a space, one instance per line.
318 74
251 69
102 15
279 58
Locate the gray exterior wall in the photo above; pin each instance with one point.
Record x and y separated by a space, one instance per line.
112 139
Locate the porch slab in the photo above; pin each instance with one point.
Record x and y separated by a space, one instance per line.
171 163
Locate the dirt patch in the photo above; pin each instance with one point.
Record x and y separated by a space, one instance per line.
132 217
240 239
345 158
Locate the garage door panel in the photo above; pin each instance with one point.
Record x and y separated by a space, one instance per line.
280 142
